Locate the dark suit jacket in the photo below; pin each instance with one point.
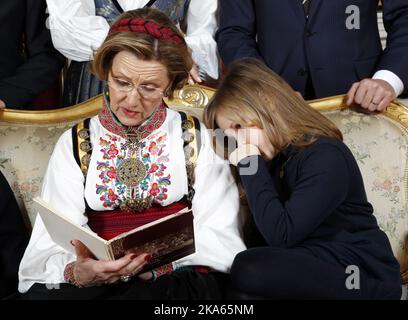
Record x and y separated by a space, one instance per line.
277 32
13 239
26 73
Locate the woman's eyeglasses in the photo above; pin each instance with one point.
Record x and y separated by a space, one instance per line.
145 91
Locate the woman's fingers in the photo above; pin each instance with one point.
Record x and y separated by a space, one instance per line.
89 271
128 264
136 265
132 268
116 265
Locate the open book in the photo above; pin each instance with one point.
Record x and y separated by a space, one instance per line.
166 239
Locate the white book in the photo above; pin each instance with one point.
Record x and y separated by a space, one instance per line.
166 239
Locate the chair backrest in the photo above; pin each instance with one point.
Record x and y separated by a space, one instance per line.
379 143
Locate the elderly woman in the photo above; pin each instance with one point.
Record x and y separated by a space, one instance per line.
132 169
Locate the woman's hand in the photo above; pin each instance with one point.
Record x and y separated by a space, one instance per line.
2 104
90 272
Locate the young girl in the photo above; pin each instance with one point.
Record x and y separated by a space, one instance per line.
305 193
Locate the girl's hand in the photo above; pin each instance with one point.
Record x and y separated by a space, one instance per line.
243 136
250 141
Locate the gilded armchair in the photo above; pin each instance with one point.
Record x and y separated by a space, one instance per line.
379 142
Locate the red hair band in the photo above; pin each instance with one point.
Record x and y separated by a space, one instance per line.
148 27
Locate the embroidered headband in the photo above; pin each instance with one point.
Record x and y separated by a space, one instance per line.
146 26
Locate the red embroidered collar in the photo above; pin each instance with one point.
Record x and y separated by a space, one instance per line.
112 124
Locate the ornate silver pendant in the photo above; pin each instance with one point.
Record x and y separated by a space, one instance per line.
131 171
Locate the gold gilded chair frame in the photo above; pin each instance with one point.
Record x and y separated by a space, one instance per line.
191 97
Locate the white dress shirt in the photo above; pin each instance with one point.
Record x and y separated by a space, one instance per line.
392 79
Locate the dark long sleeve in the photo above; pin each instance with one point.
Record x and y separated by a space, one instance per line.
321 186
42 65
394 57
236 35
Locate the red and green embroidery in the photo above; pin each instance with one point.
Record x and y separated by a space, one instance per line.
114 150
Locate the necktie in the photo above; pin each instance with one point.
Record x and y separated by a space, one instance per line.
306 6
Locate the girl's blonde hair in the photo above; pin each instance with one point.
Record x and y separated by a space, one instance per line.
253 95
175 57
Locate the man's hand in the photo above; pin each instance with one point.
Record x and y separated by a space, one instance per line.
371 94
2 104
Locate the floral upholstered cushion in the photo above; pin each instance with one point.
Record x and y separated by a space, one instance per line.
24 154
380 146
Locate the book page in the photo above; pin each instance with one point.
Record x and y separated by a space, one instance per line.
63 231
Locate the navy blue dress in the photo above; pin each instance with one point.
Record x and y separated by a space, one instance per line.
312 202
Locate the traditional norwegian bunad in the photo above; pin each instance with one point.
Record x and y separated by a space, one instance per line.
112 178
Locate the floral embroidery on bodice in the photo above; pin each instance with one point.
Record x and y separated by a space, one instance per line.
113 150
114 147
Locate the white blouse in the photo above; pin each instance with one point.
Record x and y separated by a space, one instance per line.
215 204
77 32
